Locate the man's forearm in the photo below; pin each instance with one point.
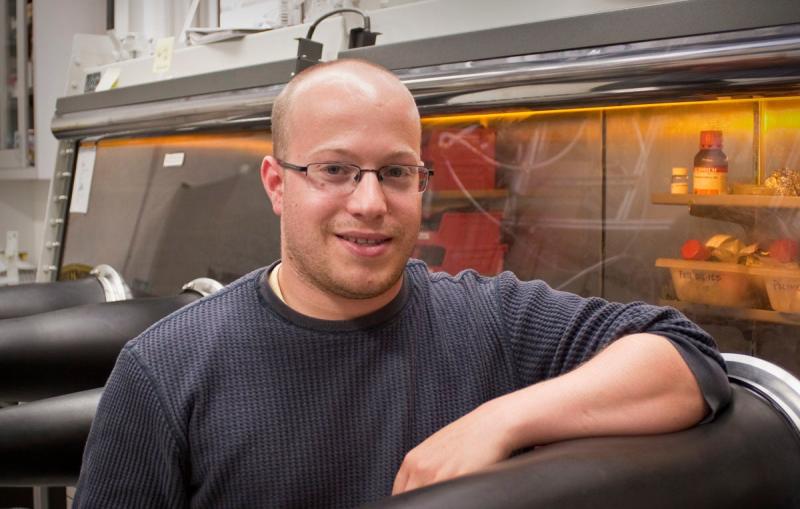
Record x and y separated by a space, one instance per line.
638 385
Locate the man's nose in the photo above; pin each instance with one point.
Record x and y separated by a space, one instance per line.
367 199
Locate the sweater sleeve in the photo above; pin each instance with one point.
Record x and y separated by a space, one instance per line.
133 455
552 332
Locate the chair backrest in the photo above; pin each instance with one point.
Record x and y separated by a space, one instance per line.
749 456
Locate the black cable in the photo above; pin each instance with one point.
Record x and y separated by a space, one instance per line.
110 14
337 11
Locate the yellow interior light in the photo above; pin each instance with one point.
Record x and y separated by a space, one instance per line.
519 115
248 141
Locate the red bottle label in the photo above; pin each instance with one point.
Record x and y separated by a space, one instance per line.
710 180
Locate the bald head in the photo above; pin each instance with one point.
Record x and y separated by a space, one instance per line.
336 80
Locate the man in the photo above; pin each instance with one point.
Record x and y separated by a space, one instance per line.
345 373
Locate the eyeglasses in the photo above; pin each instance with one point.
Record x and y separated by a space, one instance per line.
342 178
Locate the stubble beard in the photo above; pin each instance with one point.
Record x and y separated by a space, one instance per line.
315 272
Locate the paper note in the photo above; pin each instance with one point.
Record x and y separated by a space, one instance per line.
162 59
173 159
12 269
82 186
108 80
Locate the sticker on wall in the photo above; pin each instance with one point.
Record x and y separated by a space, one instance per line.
162 59
92 80
108 80
82 186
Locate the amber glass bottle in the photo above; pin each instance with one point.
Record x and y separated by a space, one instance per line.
710 165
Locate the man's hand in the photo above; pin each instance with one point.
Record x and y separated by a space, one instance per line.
475 441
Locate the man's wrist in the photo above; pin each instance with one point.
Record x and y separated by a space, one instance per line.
504 415
533 416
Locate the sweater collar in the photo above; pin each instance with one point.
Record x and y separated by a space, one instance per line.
271 301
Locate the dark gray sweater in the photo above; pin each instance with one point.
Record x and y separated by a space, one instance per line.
237 401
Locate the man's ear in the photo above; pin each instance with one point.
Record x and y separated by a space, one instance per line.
272 179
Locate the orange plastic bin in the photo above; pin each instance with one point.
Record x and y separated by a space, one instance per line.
470 240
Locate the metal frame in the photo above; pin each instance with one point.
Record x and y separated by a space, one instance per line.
771 382
56 212
202 84
764 62
671 20
203 285
114 286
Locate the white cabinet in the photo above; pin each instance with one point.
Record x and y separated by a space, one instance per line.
16 86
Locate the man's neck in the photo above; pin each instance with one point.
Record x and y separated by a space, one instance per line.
305 298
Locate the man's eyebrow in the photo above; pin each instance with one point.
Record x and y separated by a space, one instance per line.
339 152
350 155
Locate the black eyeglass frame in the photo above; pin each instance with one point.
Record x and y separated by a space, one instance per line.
428 172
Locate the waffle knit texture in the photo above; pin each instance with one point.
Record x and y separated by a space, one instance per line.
238 401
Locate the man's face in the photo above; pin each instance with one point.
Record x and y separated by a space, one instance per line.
353 246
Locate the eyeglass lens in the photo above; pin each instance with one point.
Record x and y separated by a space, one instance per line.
337 177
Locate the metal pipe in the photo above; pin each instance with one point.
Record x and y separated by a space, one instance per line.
33 298
104 285
41 443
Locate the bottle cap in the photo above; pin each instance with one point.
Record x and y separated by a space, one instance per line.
695 250
679 171
710 139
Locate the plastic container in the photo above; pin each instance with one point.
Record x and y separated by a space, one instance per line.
462 158
679 184
783 287
714 283
469 240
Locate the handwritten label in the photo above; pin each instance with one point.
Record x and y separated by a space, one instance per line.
82 186
699 276
785 286
162 59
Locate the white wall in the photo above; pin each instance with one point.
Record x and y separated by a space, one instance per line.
23 202
55 22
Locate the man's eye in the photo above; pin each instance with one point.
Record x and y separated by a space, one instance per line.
334 170
396 171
